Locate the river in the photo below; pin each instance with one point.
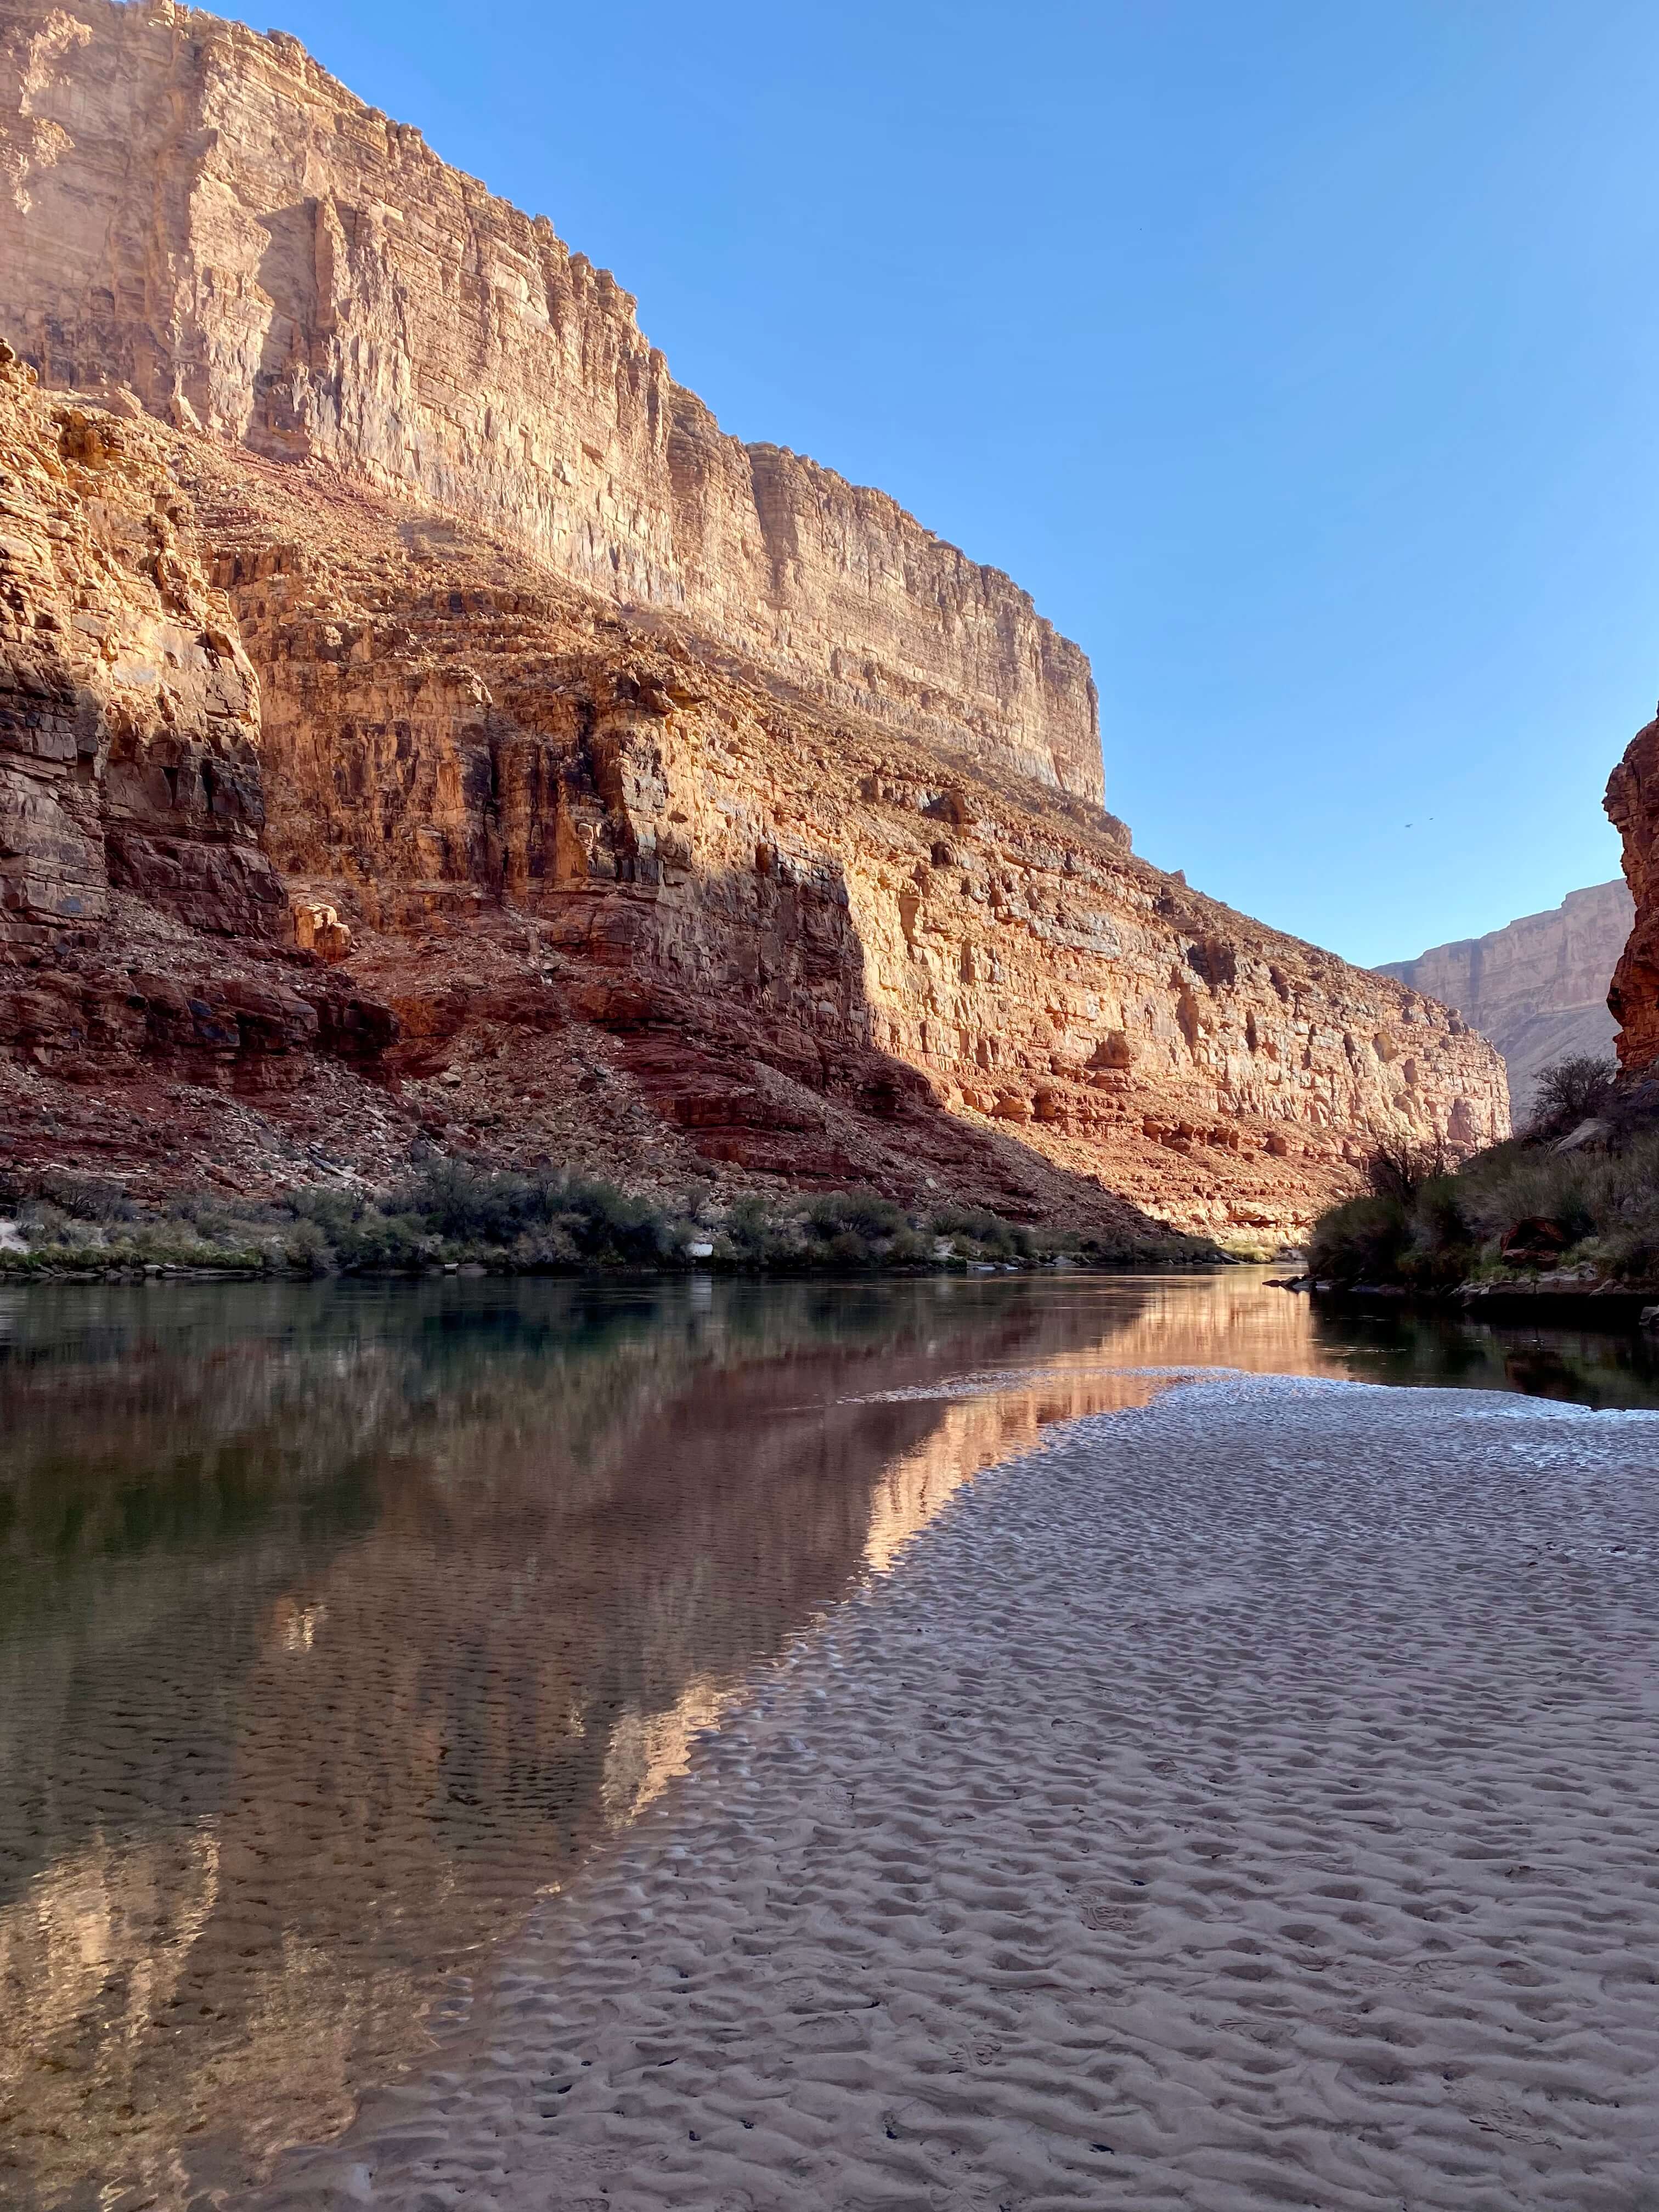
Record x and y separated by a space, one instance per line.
341 1624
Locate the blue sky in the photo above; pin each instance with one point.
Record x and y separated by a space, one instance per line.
1298 356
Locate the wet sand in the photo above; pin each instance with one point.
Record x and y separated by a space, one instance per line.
1247 1801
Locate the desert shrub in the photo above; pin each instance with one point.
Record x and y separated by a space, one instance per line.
86 1198
454 1211
911 1247
753 1235
1516 1183
551 1248
304 1247
561 1220
859 1213
606 1224
1397 1169
42 1223
994 1237
847 1248
1571 1091
1361 1241
1603 1202
467 1205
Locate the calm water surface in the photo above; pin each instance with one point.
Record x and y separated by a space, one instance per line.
340 1622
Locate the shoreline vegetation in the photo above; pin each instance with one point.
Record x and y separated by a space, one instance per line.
1566 1212
452 1218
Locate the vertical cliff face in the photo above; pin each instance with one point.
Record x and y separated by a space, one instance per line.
140 915
1537 988
207 218
129 714
806 935
431 730
1633 805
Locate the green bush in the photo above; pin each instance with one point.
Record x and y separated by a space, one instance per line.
859 1213
1431 1231
995 1238
452 1212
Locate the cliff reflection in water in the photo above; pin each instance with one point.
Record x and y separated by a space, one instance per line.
338 1622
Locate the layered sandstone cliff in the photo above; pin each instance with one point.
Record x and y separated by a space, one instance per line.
131 796
1633 805
205 217
611 902
526 871
1537 988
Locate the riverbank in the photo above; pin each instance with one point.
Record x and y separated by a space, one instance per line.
1574 1301
455 1217
1566 1211
1247 1800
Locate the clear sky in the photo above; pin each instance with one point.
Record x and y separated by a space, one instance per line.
1298 356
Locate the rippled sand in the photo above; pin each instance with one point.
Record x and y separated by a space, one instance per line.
1248 1801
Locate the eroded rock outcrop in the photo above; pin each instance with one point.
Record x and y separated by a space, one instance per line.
1537 988
207 218
1633 805
428 829
139 912
129 716
804 936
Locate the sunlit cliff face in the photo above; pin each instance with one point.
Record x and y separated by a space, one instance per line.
307 279
438 693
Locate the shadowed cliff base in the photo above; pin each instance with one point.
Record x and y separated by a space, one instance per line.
1632 807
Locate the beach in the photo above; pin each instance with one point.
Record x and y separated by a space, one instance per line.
1245 1799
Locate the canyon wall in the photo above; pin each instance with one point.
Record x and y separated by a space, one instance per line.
129 714
1633 805
137 903
204 217
1537 988
355 815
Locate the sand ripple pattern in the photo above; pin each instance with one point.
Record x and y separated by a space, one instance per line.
1248 1802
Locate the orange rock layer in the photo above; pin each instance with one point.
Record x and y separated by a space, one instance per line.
334 830
207 219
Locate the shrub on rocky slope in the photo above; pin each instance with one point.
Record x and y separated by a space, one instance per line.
1575 1195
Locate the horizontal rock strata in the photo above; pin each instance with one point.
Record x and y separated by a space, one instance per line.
205 217
594 890
1537 988
355 811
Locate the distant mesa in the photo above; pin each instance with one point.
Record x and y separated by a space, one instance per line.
1538 986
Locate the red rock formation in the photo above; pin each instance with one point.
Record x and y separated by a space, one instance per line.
130 715
1633 804
298 274
486 858
131 790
